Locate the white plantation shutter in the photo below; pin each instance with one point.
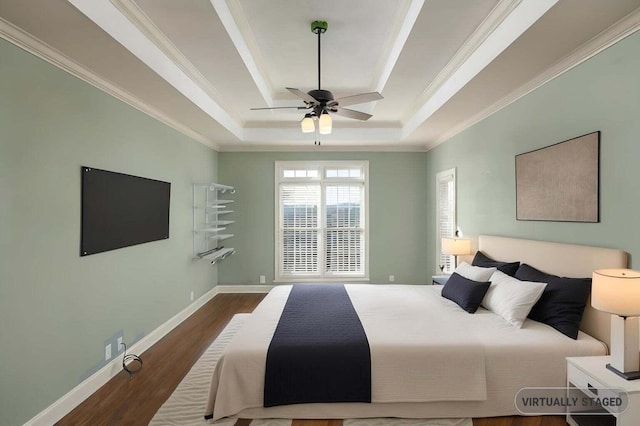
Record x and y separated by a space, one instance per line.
446 215
300 207
321 221
344 234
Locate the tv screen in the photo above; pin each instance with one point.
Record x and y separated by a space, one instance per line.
120 210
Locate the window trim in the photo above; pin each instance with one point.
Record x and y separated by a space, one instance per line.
321 180
439 178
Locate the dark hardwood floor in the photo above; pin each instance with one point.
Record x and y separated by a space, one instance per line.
134 402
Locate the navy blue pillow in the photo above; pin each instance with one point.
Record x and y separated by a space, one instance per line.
481 259
563 301
529 273
468 294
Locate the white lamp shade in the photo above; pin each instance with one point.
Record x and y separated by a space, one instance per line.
616 291
324 124
456 246
307 125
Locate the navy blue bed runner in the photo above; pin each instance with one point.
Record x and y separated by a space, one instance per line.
319 351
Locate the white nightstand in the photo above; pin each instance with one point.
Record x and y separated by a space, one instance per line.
589 375
440 279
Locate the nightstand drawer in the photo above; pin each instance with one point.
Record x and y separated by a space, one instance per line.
580 379
589 385
604 397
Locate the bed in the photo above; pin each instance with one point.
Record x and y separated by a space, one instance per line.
429 358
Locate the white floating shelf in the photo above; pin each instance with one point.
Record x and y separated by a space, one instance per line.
215 187
209 209
220 237
221 222
216 204
218 254
209 229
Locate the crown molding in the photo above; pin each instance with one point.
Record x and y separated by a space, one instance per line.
310 147
278 135
235 23
488 25
42 50
133 12
388 60
277 139
403 26
111 20
610 36
239 30
517 20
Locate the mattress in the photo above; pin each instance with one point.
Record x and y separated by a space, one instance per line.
429 358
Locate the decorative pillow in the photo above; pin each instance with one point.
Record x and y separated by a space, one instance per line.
510 299
529 273
468 294
481 259
563 301
474 273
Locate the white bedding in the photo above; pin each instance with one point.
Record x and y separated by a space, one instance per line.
429 358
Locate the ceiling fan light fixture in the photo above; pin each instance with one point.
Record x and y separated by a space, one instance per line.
325 124
307 125
321 102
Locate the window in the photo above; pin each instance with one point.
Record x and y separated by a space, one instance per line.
445 216
321 220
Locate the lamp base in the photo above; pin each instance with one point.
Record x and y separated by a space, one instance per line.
629 375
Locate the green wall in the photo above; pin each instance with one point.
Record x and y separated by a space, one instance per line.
602 94
56 308
397 214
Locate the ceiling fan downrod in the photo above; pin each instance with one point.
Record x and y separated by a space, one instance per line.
320 103
319 27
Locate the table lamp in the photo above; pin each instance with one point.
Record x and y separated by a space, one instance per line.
456 247
617 291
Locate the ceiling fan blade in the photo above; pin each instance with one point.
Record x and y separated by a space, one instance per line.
292 107
351 113
356 99
304 96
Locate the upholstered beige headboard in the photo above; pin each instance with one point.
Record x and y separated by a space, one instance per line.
567 260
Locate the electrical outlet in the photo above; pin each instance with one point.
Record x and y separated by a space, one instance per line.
192 296
263 279
107 352
392 278
120 347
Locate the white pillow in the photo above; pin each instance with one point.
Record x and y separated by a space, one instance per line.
474 273
511 298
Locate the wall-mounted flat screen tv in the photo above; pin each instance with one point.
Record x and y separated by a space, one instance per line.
120 210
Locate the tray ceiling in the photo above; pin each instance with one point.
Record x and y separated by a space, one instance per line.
200 65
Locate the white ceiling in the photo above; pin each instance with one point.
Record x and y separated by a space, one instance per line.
200 65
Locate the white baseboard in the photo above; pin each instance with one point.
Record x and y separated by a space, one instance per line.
77 395
242 288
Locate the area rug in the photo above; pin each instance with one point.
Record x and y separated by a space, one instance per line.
186 405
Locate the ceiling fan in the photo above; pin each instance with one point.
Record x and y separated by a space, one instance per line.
321 102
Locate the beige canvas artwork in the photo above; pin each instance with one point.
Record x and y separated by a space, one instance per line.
560 182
